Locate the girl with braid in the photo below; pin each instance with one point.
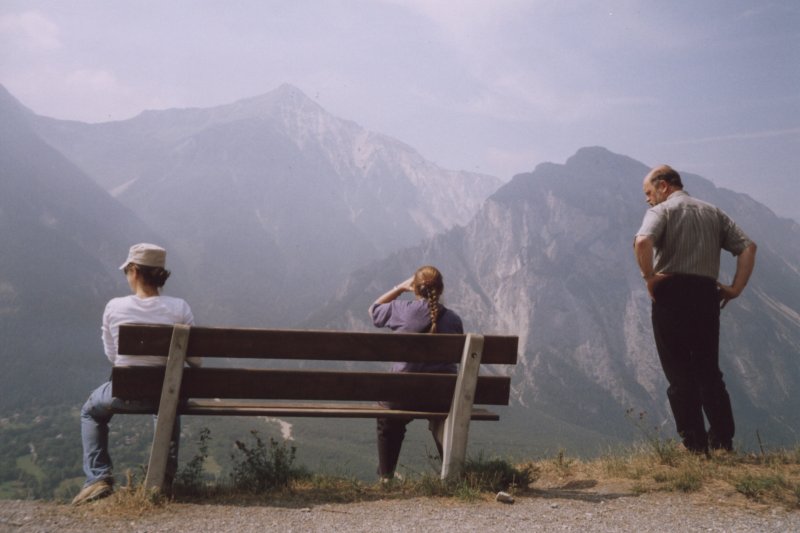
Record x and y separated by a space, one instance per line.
424 314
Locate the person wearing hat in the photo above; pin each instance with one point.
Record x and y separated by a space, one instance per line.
146 274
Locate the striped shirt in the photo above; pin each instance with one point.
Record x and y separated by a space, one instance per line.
688 235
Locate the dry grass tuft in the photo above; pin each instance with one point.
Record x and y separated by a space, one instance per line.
739 479
768 478
129 501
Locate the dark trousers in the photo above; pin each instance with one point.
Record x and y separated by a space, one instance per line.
686 328
391 432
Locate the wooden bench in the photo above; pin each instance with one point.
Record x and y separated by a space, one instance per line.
235 389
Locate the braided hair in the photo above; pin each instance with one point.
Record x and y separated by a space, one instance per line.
428 285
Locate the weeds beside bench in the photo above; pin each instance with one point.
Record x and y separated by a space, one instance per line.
237 390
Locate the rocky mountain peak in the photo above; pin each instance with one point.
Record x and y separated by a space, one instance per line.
287 100
549 258
274 179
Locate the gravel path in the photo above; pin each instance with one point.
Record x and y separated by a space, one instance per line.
538 512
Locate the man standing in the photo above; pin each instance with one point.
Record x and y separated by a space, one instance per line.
687 236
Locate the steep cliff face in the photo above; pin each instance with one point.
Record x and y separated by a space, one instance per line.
271 201
549 258
62 239
554 264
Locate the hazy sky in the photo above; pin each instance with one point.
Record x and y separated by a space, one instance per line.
496 86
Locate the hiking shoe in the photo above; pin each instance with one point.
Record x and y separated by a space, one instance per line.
95 491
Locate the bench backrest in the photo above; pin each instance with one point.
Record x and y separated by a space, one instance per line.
168 384
148 339
312 385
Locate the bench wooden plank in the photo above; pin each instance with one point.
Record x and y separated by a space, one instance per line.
137 382
173 374
314 409
305 410
456 426
148 339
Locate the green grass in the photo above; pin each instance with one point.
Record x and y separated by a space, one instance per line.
9 490
769 487
27 465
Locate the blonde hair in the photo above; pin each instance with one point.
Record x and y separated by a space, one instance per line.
428 285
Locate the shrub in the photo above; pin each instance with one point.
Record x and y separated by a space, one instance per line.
264 466
478 476
768 487
497 474
687 481
190 478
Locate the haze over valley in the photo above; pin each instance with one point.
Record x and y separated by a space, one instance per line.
299 158
278 214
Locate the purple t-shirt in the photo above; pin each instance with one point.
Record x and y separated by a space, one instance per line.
413 316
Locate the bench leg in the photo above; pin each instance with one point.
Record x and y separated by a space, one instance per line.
167 409
456 427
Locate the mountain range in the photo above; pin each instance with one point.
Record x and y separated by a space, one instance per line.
270 201
61 238
549 257
277 214
264 205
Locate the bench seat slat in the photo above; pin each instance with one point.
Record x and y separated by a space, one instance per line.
305 410
142 382
222 407
149 339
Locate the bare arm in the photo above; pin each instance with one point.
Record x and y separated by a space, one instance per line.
745 262
397 290
393 293
643 248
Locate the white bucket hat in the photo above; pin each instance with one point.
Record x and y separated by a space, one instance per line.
146 254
